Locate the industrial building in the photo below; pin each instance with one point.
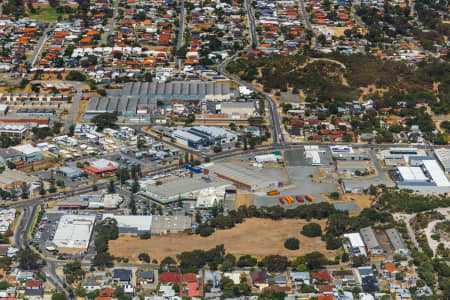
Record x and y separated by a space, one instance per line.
92 201
134 225
370 239
13 178
443 156
352 166
213 134
397 241
177 188
10 155
123 105
355 244
417 161
428 175
237 110
210 197
180 90
70 172
312 154
199 136
29 152
412 174
15 130
189 139
101 168
243 177
156 225
436 173
74 233
170 224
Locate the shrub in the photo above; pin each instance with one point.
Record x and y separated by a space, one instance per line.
145 235
292 244
144 257
205 230
312 230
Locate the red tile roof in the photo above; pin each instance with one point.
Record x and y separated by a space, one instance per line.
170 277
322 275
188 277
193 290
33 283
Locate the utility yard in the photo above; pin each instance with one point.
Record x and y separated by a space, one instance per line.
258 237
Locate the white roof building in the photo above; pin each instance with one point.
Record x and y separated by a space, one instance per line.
74 231
356 242
131 224
210 197
436 173
412 174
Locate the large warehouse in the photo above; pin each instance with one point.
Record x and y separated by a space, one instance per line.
180 90
135 225
156 225
443 155
244 177
412 174
123 105
74 233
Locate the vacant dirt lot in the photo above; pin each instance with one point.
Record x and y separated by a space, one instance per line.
258 237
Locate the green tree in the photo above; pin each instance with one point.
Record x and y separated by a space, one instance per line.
144 257
111 187
27 259
59 296
247 261
292 244
132 205
315 260
312 230
25 191
41 188
75 76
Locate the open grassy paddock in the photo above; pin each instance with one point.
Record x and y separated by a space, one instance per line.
258 237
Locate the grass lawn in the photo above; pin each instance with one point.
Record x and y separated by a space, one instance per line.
47 14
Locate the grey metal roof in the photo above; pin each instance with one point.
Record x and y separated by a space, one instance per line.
395 239
188 89
369 238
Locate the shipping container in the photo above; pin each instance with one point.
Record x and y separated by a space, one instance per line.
273 193
281 200
310 198
289 199
300 199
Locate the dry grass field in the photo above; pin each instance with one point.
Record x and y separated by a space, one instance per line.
258 237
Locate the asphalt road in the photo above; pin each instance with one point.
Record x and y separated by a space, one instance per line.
112 25
180 33
251 18
39 46
73 109
307 23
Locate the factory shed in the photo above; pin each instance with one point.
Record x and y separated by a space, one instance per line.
243 177
396 241
356 243
371 241
134 225
443 156
412 174
74 233
436 173
170 224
